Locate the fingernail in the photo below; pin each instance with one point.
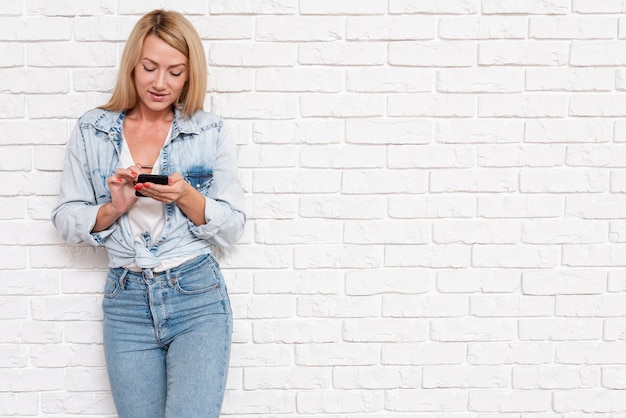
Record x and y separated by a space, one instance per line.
146 185
138 187
133 173
119 179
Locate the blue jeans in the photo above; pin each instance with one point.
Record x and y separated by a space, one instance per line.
167 340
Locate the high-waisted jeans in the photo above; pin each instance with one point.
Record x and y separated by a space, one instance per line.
167 340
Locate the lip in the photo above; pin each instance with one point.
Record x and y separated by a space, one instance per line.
157 97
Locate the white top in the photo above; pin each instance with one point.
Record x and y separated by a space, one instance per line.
147 216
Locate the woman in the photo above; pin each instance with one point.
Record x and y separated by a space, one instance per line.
167 317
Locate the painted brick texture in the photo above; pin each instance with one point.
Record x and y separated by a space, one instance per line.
437 220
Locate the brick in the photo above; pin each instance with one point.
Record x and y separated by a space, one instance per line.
12 55
337 354
427 306
614 377
526 106
299 29
560 377
422 105
590 401
597 105
69 8
431 206
299 282
571 131
363 283
472 330
349 7
342 207
476 232
494 305
297 232
376 377
569 79
253 7
484 130
340 401
546 53
384 181
563 282
337 157
505 401
542 329
520 155
300 331
35 29
600 207
428 353
103 28
485 80
393 28
302 80
259 402
520 256
528 6
478 281
572 27
594 255
518 353
348 105
384 330
389 80
232 54
338 256
597 53
19 403
284 378
77 403
563 181
432 54
426 400
425 255
342 53
383 131
386 232
473 181
338 307
564 232
483 27
255 106
434 7
442 377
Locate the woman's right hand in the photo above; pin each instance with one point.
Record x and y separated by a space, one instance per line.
122 187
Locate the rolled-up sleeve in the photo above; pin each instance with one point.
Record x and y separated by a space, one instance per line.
225 202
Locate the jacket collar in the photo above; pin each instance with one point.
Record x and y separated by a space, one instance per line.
112 123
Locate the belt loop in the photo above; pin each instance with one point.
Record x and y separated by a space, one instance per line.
147 273
123 279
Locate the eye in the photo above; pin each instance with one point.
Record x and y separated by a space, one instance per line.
148 69
176 74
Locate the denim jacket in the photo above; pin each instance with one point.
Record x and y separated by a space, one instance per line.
200 150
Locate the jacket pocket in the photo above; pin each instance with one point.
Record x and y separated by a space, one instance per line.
200 179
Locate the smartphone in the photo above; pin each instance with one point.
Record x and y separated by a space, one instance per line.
150 178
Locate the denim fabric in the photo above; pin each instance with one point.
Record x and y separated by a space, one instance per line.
167 340
200 150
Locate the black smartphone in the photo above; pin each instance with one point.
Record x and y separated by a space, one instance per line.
150 178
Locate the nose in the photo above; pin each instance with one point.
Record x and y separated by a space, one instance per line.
159 80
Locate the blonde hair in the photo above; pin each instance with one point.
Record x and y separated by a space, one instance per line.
175 30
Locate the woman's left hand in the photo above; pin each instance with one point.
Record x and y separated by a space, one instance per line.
172 192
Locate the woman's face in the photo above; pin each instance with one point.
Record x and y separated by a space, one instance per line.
160 74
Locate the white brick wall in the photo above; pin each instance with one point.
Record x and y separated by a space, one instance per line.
436 203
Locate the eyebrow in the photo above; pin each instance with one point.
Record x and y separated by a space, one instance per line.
156 63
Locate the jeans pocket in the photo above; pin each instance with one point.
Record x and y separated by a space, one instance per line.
197 282
111 288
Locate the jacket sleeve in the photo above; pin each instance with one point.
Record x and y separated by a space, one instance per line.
75 213
225 202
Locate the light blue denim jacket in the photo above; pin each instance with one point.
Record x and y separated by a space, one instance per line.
200 150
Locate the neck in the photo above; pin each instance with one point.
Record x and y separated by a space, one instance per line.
143 114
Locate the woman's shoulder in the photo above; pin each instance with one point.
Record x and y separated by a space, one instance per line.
99 118
203 118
